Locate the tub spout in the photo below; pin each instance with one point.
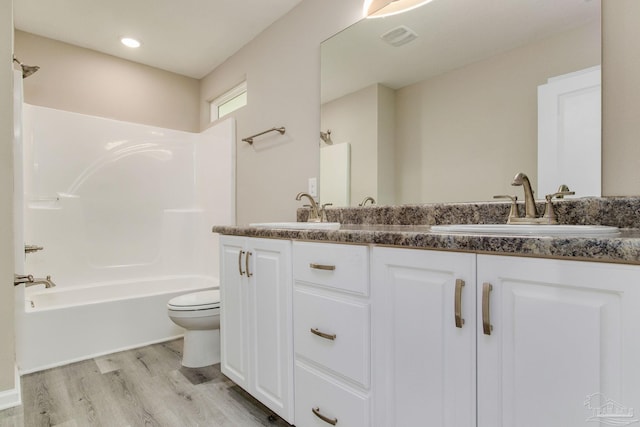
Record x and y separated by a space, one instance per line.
47 282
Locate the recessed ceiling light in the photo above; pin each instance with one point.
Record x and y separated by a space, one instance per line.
129 42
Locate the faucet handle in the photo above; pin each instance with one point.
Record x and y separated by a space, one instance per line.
549 212
19 279
513 212
563 190
323 212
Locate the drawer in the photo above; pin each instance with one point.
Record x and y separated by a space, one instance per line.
349 354
332 399
344 267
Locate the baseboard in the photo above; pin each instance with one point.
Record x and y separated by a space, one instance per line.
13 397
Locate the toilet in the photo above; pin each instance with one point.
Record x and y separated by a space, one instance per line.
199 314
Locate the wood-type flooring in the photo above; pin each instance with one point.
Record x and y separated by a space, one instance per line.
141 387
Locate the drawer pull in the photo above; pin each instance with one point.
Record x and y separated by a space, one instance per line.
316 412
246 263
322 267
458 303
240 253
331 337
486 318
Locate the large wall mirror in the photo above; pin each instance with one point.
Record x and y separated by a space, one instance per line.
447 102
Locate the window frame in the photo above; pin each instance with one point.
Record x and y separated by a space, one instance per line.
225 98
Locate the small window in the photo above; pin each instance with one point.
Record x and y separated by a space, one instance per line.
228 102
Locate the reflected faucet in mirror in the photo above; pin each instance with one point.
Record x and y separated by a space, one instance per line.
367 199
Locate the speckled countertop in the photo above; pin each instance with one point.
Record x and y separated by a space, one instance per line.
409 227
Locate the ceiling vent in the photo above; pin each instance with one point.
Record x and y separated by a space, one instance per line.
399 36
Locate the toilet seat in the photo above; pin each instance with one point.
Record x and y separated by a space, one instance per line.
196 301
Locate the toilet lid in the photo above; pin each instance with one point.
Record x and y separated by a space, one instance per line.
196 301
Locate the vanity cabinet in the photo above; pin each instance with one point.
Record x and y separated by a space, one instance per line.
331 334
424 349
544 342
564 345
256 319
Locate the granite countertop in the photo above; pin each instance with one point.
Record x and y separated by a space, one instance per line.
624 248
409 226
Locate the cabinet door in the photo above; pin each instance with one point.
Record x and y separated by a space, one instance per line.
564 347
234 325
424 366
271 330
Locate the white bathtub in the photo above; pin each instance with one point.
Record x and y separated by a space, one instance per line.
65 325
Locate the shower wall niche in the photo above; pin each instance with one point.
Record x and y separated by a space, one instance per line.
111 200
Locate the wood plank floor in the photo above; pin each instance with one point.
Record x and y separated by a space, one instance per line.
141 387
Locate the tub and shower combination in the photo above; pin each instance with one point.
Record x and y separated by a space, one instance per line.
124 214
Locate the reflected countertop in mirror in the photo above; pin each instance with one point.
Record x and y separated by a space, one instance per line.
454 113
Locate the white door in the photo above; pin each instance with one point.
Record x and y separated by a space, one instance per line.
234 325
271 323
423 362
563 349
569 133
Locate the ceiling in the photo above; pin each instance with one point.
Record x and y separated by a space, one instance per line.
188 37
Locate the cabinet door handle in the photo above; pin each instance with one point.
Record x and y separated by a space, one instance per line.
457 305
246 264
322 267
486 317
331 337
316 412
240 262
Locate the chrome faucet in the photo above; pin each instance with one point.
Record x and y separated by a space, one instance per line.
314 214
367 199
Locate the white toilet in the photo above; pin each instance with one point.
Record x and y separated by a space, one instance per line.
199 314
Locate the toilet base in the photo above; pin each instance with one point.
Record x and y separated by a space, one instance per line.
201 348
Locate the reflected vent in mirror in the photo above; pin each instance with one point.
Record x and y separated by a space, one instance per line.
399 36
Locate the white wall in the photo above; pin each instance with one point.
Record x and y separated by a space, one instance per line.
366 120
7 342
282 68
81 80
620 97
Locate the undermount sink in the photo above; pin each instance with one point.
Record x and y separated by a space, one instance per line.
298 225
529 229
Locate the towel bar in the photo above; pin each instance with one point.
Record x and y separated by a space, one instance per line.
250 138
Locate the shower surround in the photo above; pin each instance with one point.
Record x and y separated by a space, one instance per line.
116 204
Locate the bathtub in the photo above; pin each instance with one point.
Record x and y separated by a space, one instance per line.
65 325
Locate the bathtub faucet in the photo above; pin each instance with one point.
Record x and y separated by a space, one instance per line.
47 282
29 280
